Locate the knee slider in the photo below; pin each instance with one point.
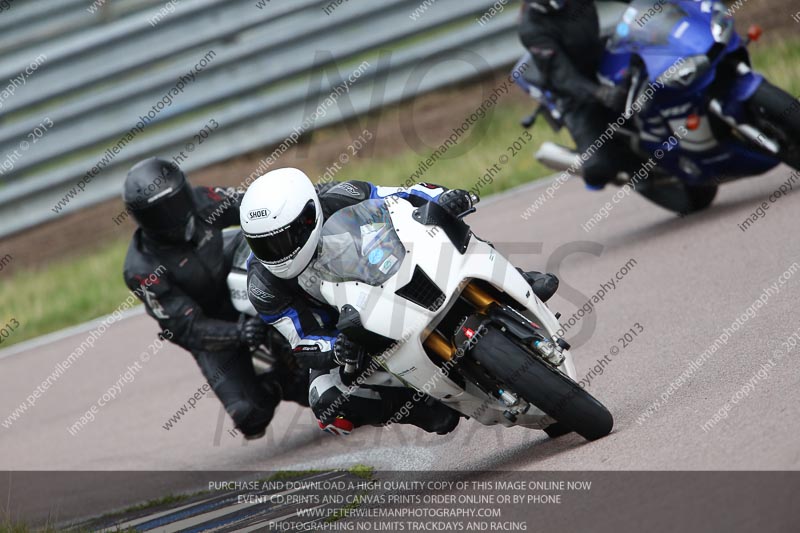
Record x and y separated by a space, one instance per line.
325 405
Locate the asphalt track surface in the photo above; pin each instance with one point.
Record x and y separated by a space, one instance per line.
692 278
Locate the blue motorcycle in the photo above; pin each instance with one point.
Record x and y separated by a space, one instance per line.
695 106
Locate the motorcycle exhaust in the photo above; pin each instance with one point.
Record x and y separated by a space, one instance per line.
559 157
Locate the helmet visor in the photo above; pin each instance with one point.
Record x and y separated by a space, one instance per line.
165 214
284 243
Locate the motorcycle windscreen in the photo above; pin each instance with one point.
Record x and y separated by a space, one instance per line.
642 22
241 252
359 243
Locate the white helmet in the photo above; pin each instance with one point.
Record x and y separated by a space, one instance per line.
281 219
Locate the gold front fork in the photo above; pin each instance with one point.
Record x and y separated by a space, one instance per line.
442 347
477 297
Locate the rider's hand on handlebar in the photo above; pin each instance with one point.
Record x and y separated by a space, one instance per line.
458 202
349 355
613 98
252 332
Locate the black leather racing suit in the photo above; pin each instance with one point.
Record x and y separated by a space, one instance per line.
309 324
188 295
567 49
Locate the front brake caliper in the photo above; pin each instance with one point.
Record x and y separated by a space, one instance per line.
552 352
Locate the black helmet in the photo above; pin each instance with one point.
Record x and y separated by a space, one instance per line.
546 6
159 197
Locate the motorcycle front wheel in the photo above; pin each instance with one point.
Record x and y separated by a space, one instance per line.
542 385
777 114
680 197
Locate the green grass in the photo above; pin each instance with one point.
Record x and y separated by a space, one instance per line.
359 470
780 62
10 526
464 164
338 514
63 294
362 471
170 499
80 289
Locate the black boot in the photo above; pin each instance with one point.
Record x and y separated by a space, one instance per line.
252 418
544 285
290 381
249 401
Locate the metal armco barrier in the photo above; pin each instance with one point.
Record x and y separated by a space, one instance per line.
266 65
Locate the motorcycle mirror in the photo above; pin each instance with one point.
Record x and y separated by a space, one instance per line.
754 32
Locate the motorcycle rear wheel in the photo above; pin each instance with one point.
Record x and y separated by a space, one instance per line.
542 385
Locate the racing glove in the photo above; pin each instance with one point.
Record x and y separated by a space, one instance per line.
252 332
458 202
350 356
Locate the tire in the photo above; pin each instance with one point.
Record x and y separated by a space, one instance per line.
557 430
777 113
700 197
541 385
680 197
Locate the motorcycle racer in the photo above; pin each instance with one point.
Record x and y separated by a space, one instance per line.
180 235
281 217
564 40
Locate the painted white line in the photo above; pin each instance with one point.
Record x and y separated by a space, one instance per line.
273 521
127 525
235 507
207 516
66 333
147 518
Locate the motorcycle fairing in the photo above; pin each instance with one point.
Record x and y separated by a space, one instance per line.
387 314
682 29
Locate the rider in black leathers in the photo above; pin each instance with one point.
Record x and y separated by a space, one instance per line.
179 249
563 37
